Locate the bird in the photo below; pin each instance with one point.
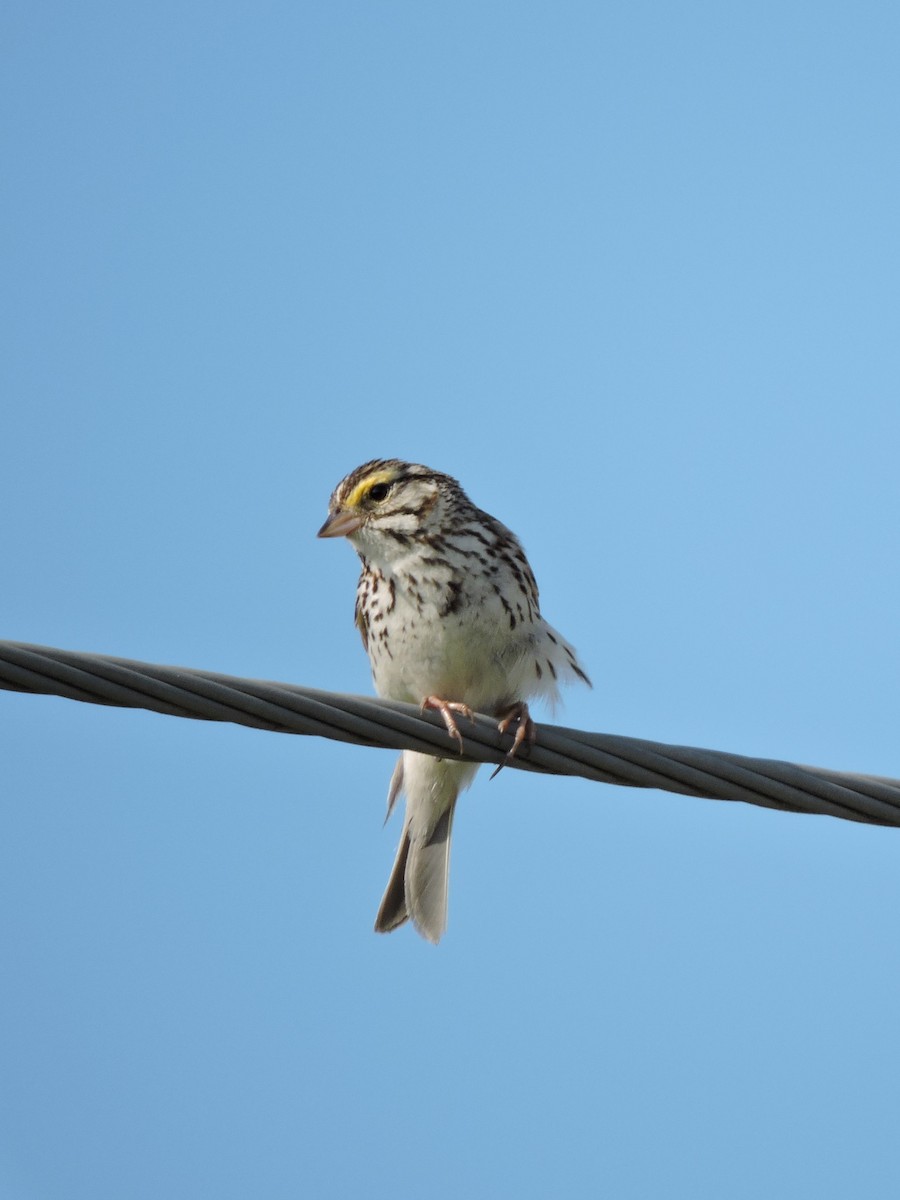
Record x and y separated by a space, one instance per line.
447 607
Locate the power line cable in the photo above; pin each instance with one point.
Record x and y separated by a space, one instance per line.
367 721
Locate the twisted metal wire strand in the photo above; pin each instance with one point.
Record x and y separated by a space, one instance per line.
365 721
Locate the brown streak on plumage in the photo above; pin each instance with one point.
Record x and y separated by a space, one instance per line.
362 625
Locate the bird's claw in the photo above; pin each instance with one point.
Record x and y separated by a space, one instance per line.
525 730
447 708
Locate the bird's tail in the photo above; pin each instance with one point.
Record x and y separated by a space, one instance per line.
417 888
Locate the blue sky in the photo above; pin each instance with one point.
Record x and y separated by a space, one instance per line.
630 272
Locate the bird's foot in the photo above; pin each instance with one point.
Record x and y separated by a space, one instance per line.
447 708
525 729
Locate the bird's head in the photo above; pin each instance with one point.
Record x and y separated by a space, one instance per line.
387 505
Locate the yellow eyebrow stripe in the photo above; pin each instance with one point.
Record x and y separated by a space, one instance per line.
365 486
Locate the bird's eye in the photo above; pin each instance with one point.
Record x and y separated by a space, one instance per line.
379 492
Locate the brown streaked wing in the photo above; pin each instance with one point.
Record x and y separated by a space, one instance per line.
359 620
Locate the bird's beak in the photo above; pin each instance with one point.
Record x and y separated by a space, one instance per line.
341 524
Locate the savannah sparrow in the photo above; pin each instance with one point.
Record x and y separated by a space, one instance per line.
448 611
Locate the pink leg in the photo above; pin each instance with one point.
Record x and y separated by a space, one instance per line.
447 708
525 730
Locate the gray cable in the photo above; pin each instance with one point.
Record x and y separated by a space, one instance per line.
365 721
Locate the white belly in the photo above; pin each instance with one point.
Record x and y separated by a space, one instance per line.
466 656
